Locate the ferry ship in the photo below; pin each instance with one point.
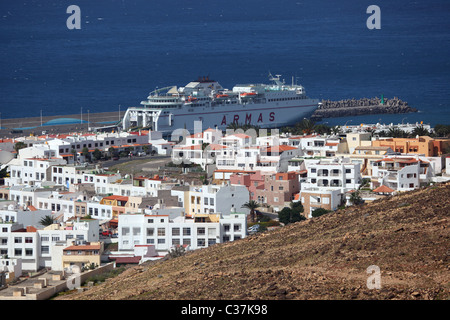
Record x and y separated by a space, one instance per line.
271 105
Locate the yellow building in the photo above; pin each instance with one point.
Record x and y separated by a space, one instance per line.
82 255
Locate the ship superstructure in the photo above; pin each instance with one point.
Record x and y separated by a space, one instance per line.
264 105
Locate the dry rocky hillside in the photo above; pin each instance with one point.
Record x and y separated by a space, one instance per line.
406 236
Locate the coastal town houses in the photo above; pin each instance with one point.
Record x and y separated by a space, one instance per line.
33 243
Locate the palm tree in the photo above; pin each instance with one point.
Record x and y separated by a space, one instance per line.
46 221
19 145
396 133
252 205
305 126
420 131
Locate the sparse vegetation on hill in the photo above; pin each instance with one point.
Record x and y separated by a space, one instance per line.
406 236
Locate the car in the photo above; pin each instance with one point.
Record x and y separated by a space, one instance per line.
254 228
107 233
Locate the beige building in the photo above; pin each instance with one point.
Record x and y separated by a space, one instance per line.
314 198
82 255
358 139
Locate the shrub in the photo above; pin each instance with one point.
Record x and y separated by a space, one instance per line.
319 212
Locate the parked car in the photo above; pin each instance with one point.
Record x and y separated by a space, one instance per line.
254 228
107 233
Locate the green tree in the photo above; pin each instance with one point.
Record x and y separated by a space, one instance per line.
306 126
397 133
420 131
85 153
4 172
111 151
441 130
74 152
319 212
19 145
252 205
355 198
47 220
97 154
322 129
291 214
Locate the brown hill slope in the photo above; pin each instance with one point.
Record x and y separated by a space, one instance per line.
406 236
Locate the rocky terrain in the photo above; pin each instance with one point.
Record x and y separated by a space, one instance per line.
406 236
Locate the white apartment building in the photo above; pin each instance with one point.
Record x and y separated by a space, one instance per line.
320 146
215 199
34 246
333 174
402 173
30 171
165 231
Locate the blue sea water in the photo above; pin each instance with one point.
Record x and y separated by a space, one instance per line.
126 48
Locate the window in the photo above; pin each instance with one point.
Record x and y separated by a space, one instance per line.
17 252
175 242
201 242
211 232
28 252
175 231
201 231
45 249
150 220
161 232
237 227
186 231
125 231
161 241
136 231
150 232
28 240
17 240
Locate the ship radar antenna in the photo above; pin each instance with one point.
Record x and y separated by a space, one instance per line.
276 79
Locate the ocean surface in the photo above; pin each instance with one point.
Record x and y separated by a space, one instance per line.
125 49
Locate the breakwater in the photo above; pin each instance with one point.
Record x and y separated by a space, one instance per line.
358 107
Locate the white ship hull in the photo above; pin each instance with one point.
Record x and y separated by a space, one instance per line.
261 115
206 101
